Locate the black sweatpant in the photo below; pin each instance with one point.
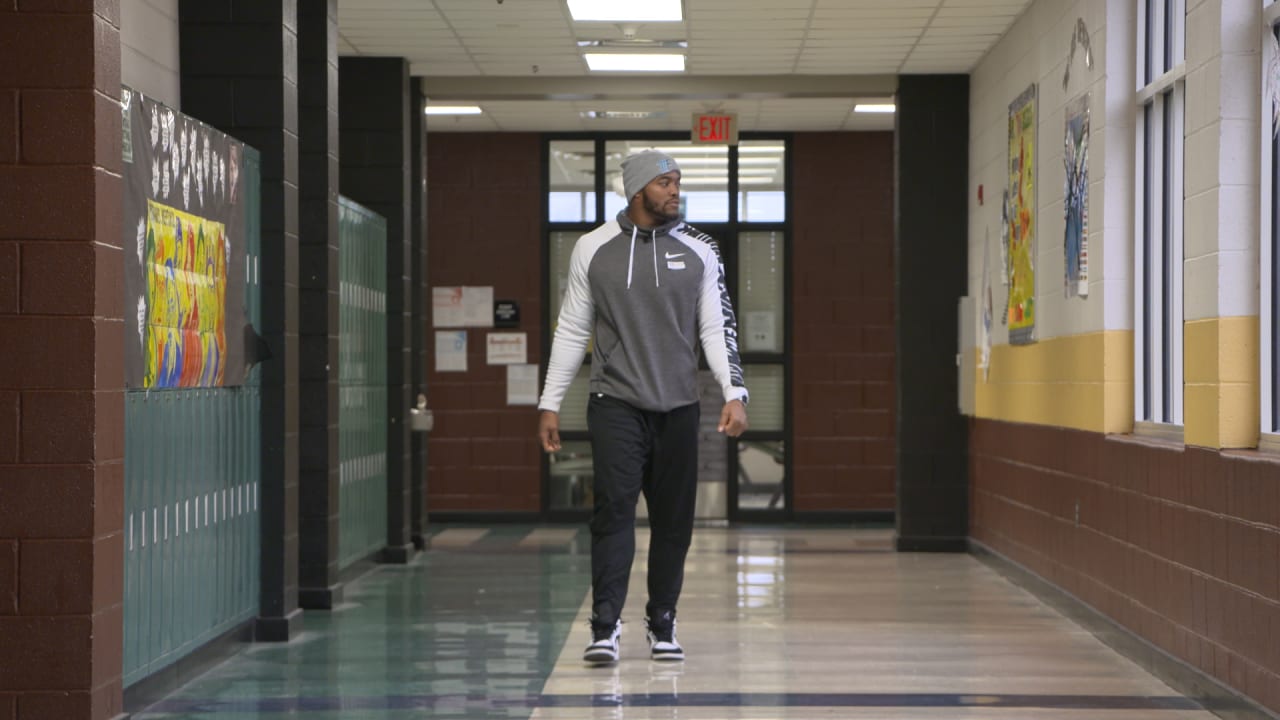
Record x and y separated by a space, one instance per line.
636 450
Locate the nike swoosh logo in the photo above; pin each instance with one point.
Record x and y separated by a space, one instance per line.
673 256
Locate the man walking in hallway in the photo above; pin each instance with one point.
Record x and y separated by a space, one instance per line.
652 290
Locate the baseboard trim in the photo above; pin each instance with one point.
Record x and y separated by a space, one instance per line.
910 543
162 683
277 629
320 598
348 575
396 554
1217 698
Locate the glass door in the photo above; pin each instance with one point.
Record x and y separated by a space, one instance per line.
738 195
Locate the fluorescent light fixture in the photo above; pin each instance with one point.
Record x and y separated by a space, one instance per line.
452 110
622 114
625 10
725 181
679 151
724 172
634 62
693 149
723 162
861 108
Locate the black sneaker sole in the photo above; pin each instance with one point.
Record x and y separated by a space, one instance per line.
667 657
599 657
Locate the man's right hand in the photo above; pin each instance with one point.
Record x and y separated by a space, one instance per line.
549 430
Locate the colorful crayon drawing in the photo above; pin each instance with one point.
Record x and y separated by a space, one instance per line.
1022 217
186 274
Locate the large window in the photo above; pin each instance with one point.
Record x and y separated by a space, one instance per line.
738 195
1270 224
1158 258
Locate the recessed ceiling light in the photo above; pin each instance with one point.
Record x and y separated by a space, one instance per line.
634 62
452 110
625 10
860 108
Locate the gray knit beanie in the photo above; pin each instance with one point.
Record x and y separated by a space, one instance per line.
641 168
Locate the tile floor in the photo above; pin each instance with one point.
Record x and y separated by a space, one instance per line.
777 623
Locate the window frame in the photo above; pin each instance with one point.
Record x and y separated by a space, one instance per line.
1159 153
1269 382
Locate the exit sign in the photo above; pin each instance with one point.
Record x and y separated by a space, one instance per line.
715 128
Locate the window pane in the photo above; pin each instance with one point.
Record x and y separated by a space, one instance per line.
1169 264
762 181
561 250
572 206
1148 310
1275 276
573 409
571 477
766 406
613 202
762 472
1150 49
760 281
704 177
572 181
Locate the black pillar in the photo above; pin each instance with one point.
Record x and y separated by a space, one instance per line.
376 156
318 569
418 305
240 74
931 267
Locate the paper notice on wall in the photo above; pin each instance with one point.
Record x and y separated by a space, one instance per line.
506 348
477 306
522 384
446 307
454 306
451 351
760 334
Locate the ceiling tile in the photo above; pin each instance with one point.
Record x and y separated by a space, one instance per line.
502 42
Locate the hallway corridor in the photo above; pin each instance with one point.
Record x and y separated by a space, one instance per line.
778 623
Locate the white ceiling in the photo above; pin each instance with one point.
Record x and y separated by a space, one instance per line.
780 64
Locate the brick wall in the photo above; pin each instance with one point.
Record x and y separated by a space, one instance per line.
61 374
484 228
484 212
1180 546
843 334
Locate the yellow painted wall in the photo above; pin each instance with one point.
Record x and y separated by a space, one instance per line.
1086 382
1220 408
1081 381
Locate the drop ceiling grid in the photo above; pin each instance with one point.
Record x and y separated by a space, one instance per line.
726 37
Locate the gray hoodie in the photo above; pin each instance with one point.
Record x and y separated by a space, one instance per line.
651 297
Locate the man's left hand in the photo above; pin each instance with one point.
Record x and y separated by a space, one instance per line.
733 419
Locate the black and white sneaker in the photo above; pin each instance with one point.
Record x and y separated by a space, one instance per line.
606 639
661 631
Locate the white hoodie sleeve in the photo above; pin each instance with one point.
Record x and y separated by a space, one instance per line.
718 329
573 330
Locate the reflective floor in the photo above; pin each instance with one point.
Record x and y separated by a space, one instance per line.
777 623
